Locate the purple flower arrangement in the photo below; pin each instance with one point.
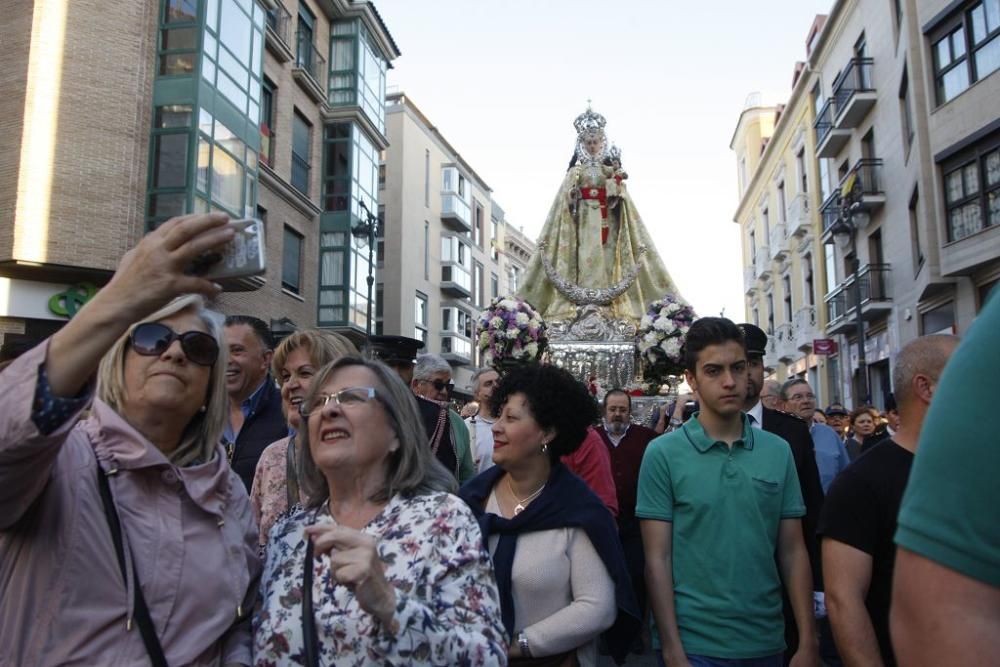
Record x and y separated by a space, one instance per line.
660 338
510 330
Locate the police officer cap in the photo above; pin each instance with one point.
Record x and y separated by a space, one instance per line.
755 339
394 350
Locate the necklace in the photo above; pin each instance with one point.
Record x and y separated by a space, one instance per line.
519 507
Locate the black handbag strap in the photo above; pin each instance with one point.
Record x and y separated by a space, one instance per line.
308 620
142 618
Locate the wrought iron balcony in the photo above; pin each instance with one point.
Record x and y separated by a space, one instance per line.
276 35
875 300
829 139
853 93
862 184
830 211
310 67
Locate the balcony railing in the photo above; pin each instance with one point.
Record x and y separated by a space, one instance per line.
867 180
862 184
798 215
873 279
784 342
849 93
308 59
750 279
763 262
778 238
456 280
824 121
805 324
873 284
456 210
278 20
830 210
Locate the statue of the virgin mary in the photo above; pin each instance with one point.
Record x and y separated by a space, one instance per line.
594 248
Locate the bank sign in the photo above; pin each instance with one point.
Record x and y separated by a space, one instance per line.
31 299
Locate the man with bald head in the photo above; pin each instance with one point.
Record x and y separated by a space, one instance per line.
858 521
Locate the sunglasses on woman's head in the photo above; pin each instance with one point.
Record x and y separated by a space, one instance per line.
152 339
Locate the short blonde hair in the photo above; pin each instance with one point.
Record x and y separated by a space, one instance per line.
203 432
323 347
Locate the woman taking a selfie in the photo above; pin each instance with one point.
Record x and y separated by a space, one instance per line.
125 538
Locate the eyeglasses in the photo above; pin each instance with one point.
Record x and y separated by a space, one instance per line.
346 398
802 397
441 385
151 339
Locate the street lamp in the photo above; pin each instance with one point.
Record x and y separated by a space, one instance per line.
853 217
367 231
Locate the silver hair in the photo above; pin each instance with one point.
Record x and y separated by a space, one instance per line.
926 355
430 364
204 429
477 375
411 470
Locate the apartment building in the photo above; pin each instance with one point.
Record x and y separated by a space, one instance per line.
252 107
443 241
780 233
907 153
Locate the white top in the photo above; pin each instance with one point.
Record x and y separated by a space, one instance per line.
563 595
481 433
757 412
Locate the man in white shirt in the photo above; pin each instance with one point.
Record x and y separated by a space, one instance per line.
481 424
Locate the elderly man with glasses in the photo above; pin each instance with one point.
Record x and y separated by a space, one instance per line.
831 456
432 381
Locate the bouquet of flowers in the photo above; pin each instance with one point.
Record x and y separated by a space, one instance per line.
510 330
660 338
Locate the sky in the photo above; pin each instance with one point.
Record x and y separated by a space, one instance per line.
503 81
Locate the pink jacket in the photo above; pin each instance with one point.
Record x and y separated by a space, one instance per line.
190 531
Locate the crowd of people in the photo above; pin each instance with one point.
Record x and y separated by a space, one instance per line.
176 489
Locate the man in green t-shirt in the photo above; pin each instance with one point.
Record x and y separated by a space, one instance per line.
718 500
946 587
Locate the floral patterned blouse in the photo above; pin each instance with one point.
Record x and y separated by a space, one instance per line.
269 492
447 606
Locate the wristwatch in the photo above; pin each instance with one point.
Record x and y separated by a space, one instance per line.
675 422
522 643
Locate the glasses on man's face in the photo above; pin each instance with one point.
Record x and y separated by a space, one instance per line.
345 398
151 339
441 385
802 397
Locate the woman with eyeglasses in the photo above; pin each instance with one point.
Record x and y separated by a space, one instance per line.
276 489
559 564
125 537
383 566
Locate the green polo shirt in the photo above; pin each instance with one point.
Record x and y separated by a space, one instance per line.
725 506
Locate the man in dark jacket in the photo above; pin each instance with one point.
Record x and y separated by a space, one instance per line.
255 417
795 431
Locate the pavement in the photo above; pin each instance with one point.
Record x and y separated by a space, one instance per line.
646 660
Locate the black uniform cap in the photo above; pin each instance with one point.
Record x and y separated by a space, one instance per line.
394 350
754 338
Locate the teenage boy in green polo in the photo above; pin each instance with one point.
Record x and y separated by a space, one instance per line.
717 500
